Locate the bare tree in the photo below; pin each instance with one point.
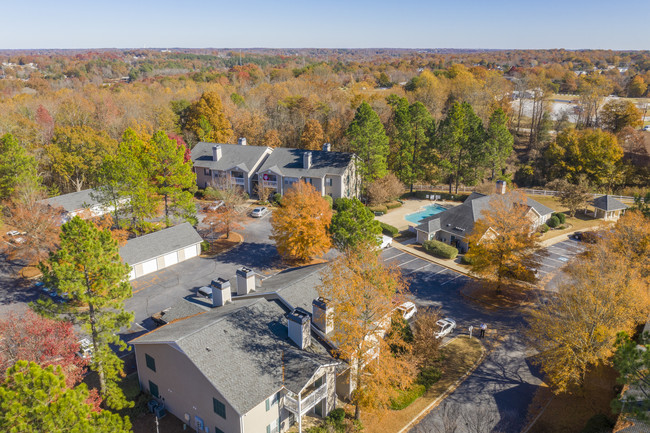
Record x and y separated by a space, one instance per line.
480 418
449 418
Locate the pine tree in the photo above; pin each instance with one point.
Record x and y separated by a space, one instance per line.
172 177
369 141
16 166
87 269
354 224
35 399
499 141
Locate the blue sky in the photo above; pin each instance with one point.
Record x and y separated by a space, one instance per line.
571 24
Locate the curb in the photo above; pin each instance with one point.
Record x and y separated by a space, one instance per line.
417 254
449 390
224 251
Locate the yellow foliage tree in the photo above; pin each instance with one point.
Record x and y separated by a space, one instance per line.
363 294
607 292
502 245
300 228
312 137
207 119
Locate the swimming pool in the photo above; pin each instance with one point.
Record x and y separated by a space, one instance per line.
428 211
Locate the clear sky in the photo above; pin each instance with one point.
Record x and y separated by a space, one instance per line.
571 24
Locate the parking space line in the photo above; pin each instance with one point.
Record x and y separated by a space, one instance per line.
417 258
396 255
550 258
417 269
449 281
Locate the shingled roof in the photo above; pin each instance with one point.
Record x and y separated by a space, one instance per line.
232 156
73 201
289 162
159 243
608 203
252 335
460 219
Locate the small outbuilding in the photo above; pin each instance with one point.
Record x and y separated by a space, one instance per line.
162 249
608 208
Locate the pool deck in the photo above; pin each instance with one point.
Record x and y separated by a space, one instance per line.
396 217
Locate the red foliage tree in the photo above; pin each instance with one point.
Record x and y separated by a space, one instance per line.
46 122
181 143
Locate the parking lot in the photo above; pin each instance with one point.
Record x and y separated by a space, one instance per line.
557 256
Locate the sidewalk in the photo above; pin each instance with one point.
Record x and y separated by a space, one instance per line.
451 264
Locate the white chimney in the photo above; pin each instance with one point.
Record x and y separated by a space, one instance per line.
323 315
245 281
220 292
299 325
306 160
501 187
242 141
327 147
216 152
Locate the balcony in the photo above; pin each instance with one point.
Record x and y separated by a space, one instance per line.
237 180
300 406
270 183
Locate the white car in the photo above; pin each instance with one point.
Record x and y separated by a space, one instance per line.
259 212
408 310
216 205
446 325
386 241
646 128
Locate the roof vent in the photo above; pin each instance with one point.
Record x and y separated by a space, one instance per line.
501 187
299 326
460 229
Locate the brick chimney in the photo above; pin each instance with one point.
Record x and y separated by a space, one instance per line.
323 315
501 187
216 152
245 281
299 325
306 160
220 292
242 141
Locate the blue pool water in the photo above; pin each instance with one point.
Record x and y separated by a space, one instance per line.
428 211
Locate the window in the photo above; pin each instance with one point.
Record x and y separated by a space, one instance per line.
329 181
272 401
273 427
219 408
151 362
153 389
319 382
206 171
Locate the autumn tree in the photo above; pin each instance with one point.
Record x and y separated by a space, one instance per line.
385 189
617 114
38 221
37 399
272 138
632 361
312 137
87 266
16 166
636 87
592 153
75 155
300 227
499 144
363 294
573 196
353 225
229 216
503 244
369 142
425 344
606 292
207 120
172 177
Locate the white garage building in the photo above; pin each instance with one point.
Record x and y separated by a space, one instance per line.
159 250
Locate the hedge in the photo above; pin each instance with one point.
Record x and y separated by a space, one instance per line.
543 228
553 222
560 216
405 398
466 260
205 246
392 204
422 195
388 229
329 199
440 249
277 198
381 208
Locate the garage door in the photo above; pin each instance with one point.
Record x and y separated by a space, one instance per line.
149 267
190 252
171 259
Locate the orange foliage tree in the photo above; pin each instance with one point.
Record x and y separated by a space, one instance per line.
363 295
300 227
607 292
503 245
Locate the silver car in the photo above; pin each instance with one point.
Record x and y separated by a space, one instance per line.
446 325
259 212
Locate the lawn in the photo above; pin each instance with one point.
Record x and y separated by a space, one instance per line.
461 354
580 222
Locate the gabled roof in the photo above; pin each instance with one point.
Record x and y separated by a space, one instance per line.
72 201
289 162
232 155
250 337
460 220
156 244
608 203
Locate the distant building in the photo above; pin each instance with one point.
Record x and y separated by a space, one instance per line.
80 203
608 208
